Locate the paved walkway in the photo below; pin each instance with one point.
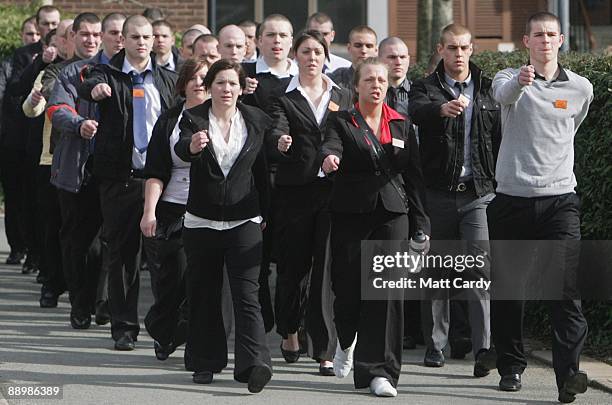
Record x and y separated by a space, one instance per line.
37 346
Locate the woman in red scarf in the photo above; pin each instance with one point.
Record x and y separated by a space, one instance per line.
376 196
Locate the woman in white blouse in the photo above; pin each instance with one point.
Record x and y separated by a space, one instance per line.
166 191
226 212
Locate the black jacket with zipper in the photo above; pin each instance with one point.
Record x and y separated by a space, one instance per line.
245 192
441 138
114 138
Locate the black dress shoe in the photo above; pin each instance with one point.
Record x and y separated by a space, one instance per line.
409 343
162 352
326 371
125 343
485 362
80 321
510 382
289 355
102 314
260 376
576 384
48 299
434 358
460 347
15 257
202 377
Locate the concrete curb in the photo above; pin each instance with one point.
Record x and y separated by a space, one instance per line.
599 373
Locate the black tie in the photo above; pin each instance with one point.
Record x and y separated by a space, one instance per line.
461 86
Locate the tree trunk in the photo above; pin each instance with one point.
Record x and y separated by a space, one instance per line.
424 45
442 15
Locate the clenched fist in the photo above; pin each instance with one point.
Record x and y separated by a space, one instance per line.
198 142
284 143
526 75
101 91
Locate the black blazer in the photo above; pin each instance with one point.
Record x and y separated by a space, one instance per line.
159 159
267 85
291 115
360 183
245 192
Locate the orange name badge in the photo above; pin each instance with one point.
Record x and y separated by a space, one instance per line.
561 104
333 106
138 93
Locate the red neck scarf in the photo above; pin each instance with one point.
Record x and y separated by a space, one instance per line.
388 114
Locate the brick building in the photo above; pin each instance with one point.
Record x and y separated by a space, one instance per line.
496 24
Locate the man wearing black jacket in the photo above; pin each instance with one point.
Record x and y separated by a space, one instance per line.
131 92
21 155
11 152
459 124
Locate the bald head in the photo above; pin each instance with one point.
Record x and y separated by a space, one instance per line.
232 43
65 46
200 27
135 21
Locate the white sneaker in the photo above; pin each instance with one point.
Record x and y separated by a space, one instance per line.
343 359
381 387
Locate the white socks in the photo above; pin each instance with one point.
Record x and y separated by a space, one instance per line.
343 359
381 387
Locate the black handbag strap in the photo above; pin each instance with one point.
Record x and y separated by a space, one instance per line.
381 159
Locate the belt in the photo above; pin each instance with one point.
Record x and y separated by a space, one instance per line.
137 174
463 186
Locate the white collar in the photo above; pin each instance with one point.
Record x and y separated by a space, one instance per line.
295 83
262 67
127 66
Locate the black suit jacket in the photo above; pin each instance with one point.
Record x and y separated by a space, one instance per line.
245 192
291 115
360 183
268 84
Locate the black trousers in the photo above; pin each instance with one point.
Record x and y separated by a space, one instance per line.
122 206
167 262
32 211
541 218
378 324
13 176
208 250
81 221
49 223
304 225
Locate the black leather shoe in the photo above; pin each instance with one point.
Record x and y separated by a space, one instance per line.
260 376
510 382
290 356
326 371
80 321
576 384
48 299
15 257
485 362
125 343
202 377
434 358
102 314
409 343
460 347
163 352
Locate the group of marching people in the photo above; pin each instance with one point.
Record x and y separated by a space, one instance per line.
210 161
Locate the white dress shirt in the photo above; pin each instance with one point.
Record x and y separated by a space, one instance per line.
226 154
153 108
335 62
320 110
262 67
177 189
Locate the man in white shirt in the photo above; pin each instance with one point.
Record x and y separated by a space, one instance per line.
250 31
133 88
323 24
166 55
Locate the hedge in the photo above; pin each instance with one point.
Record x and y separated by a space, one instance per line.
10 25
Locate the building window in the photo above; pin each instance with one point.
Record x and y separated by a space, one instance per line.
345 14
